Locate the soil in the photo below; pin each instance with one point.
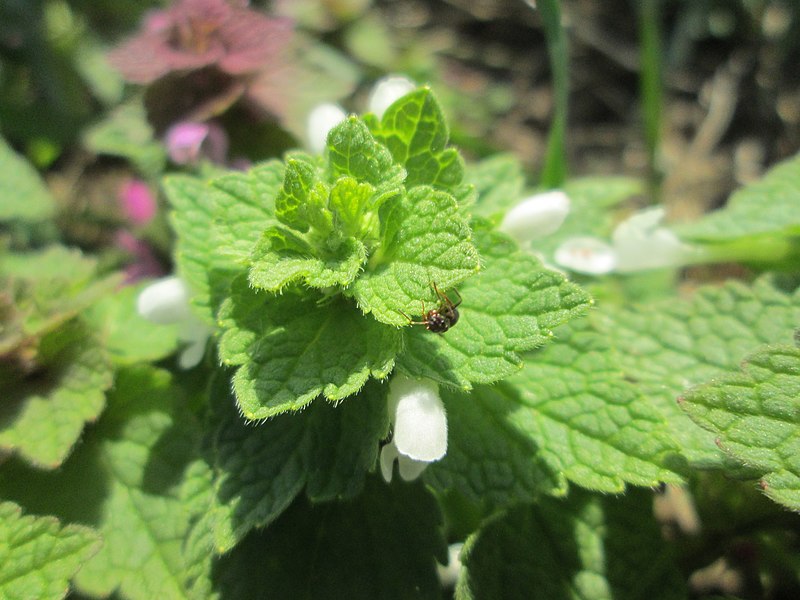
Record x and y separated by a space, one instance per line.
731 104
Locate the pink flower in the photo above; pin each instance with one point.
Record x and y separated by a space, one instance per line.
193 34
188 142
199 57
137 201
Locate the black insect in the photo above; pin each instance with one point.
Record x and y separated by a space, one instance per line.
439 320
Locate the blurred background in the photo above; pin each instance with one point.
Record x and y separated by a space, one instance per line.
700 96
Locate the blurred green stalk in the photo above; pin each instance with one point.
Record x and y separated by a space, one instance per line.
554 171
651 87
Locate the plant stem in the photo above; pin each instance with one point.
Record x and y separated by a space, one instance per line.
554 171
651 88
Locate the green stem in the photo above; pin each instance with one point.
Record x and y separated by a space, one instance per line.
769 249
651 86
554 171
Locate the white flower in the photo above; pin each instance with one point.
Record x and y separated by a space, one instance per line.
321 120
536 216
386 91
166 302
448 575
585 254
638 243
420 427
641 244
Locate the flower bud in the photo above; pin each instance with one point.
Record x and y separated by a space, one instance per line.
321 120
387 91
536 216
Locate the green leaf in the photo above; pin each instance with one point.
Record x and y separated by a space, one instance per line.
192 219
770 206
349 202
353 152
243 208
126 335
379 546
125 132
38 556
25 196
201 265
424 241
123 480
670 345
47 288
569 414
510 307
754 413
292 349
282 257
197 497
498 182
293 204
583 548
590 423
415 132
43 415
328 449
492 458
142 448
344 442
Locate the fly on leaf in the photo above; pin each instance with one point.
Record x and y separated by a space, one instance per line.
442 318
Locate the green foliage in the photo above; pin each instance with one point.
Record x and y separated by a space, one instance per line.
243 207
127 337
498 182
510 307
24 195
392 533
374 228
570 414
43 416
669 345
424 241
43 290
126 133
326 450
38 556
122 480
583 547
291 349
317 276
415 132
768 207
754 413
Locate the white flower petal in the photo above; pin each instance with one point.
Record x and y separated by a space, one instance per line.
388 90
409 468
640 243
588 255
388 455
321 120
448 574
420 422
192 354
164 302
536 216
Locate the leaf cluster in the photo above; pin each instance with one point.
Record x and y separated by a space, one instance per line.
315 263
